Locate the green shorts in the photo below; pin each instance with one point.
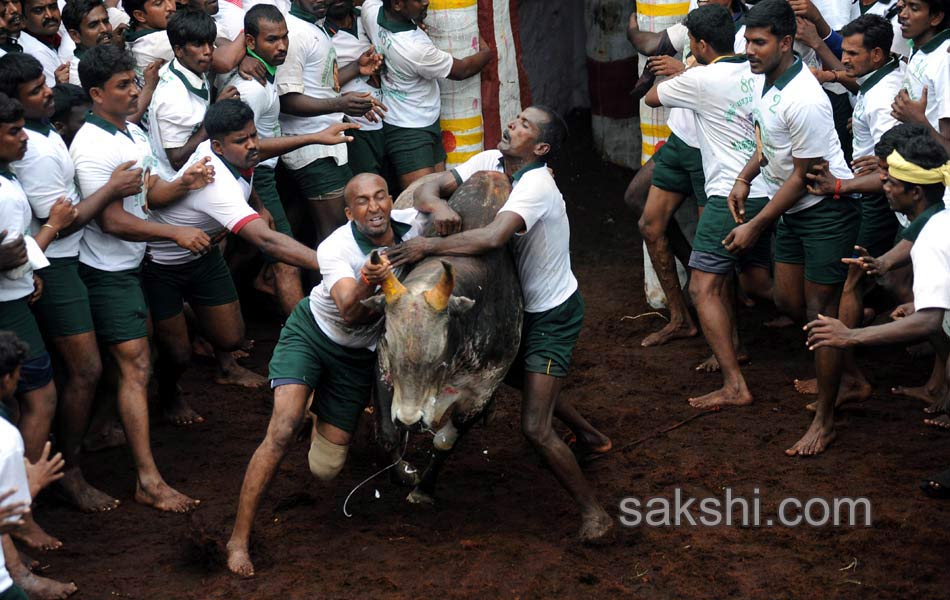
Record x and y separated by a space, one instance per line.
715 223
679 168
913 230
265 184
15 316
63 309
14 592
320 177
205 281
548 339
819 237
119 311
341 377
411 149
367 151
879 225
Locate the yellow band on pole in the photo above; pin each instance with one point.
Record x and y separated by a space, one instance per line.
662 10
457 158
468 139
655 130
461 124
451 4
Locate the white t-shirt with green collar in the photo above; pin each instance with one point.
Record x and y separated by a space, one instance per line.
217 206
872 107
15 215
341 256
720 97
795 121
412 68
177 110
147 46
47 174
929 66
350 44
542 250
265 102
97 150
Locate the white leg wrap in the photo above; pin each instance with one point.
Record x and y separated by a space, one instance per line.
326 458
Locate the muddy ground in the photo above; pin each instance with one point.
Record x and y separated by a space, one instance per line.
503 527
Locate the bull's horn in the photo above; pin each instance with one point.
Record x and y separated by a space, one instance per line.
438 297
392 288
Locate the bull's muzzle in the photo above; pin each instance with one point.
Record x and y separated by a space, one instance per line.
410 419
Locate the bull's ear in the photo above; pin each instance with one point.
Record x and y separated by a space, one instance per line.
460 304
376 303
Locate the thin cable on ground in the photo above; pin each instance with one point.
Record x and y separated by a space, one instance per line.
405 446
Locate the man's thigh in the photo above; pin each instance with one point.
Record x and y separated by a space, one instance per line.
119 310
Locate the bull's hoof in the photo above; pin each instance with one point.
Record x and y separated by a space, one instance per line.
420 498
404 475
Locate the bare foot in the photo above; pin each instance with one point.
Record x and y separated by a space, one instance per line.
108 435
239 560
724 396
238 375
940 406
672 331
807 386
941 422
163 497
815 441
41 588
779 322
83 496
711 364
178 412
850 390
594 526
922 392
31 534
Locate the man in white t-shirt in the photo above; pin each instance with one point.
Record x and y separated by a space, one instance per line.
47 175
794 122
534 220
42 39
12 24
367 152
310 100
87 23
173 275
113 247
719 94
925 97
410 84
146 38
327 350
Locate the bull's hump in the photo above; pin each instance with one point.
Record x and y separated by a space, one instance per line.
479 199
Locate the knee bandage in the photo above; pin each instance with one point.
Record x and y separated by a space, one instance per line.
326 458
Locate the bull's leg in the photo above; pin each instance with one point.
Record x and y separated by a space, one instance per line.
387 435
442 447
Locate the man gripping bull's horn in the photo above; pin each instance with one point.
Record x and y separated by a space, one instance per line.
535 217
327 347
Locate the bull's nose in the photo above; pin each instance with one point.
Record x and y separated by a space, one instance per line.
409 418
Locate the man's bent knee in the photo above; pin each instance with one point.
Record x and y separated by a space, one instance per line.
326 459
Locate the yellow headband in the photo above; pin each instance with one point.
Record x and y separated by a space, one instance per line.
902 169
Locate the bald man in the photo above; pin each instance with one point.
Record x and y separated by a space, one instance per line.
327 346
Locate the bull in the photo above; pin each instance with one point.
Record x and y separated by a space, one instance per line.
453 327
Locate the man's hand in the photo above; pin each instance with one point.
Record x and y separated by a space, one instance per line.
45 470
823 76
376 274
126 181
736 200
865 165
805 9
150 73
37 289
665 66
370 62
872 267
906 110
445 220
902 311
228 93
11 513
267 217
61 74
192 239
251 68
819 180
377 113
741 239
61 214
828 332
198 175
356 104
410 251
807 33
12 253
331 135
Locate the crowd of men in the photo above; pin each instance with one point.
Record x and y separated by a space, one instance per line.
147 149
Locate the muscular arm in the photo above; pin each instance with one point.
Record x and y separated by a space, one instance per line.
161 193
301 105
117 221
347 294
896 257
652 99
470 65
433 194
477 241
645 42
283 248
914 327
177 157
228 54
787 195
